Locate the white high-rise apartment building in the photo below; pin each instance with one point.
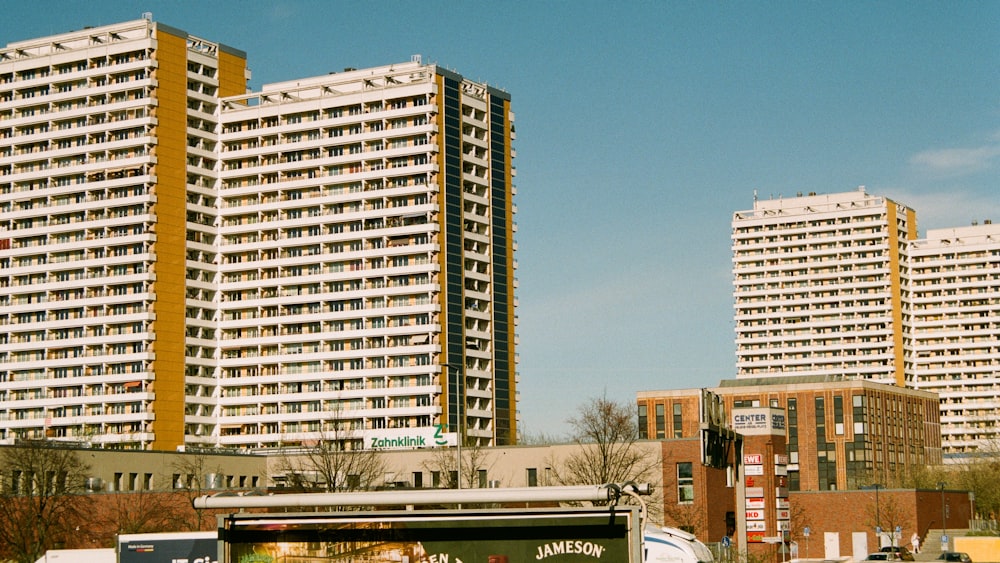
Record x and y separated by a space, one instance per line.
365 258
839 285
955 295
818 286
182 262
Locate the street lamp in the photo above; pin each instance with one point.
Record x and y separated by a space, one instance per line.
460 407
878 517
944 528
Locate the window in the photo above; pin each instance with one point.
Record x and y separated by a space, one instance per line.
685 483
532 477
838 415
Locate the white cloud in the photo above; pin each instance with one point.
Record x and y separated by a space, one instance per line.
948 207
958 161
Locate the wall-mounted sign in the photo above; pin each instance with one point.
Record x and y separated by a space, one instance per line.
781 492
753 459
755 491
784 525
755 514
781 470
780 459
409 438
755 537
759 421
784 514
782 502
755 503
753 470
756 526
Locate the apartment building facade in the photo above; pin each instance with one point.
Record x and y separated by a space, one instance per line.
182 262
366 268
955 296
818 286
839 285
106 135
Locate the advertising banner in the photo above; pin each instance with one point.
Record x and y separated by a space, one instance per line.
498 536
192 547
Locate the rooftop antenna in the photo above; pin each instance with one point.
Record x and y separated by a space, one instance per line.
755 195
415 58
148 16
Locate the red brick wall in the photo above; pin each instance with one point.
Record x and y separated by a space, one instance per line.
854 511
712 498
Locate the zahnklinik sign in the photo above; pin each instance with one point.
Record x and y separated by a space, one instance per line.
409 438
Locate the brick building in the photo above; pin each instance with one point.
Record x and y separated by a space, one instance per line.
836 435
842 434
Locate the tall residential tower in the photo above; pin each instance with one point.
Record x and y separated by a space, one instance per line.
955 296
818 286
366 258
182 262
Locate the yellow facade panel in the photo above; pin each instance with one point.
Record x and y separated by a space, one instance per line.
232 74
171 152
897 295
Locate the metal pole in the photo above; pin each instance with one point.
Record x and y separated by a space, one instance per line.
582 493
878 519
944 527
461 415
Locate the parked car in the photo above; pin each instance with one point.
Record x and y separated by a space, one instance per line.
956 556
899 551
881 556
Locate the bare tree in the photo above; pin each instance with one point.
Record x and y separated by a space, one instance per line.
336 462
193 471
687 517
886 512
541 438
607 433
140 512
40 502
475 458
981 475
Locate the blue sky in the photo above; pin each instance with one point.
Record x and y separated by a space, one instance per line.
641 128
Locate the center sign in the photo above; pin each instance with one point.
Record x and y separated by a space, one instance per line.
759 421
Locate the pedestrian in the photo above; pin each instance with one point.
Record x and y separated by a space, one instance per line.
915 542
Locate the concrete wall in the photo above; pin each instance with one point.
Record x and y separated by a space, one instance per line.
980 549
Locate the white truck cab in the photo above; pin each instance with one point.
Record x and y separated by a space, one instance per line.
671 545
